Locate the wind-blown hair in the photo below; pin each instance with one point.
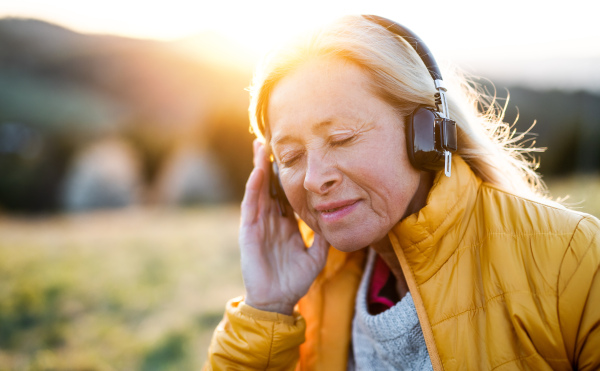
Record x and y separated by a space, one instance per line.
400 78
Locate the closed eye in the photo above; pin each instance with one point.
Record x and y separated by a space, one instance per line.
289 159
335 142
289 163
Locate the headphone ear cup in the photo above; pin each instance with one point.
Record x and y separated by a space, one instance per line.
421 140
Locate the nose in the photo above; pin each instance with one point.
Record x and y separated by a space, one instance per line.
321 175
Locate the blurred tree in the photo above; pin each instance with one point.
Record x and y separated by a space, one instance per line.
77 89
566 123
68 90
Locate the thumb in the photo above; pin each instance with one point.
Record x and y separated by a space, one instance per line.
319 249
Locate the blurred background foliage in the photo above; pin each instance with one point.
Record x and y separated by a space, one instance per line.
97 122
170 106
93 121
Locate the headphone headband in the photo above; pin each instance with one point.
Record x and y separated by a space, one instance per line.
422 50
430 133
417 44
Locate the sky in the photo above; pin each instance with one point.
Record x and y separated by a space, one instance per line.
531 42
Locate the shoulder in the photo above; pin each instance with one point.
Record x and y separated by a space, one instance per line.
546 237
522 215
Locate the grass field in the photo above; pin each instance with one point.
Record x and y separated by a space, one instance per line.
126 290
138 289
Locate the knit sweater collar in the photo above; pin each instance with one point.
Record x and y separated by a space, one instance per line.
389 340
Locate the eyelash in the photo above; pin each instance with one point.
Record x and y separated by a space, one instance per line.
289 162
333 143
343 141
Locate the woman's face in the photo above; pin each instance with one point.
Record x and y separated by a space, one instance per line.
341 153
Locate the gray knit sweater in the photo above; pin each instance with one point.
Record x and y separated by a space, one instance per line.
391 340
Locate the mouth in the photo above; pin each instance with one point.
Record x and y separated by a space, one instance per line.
331 210
334 211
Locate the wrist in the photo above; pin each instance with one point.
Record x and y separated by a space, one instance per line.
281 308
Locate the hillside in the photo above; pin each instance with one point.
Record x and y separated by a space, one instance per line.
63 91
70 89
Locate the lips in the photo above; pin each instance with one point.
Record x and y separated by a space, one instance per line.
329 206
334 211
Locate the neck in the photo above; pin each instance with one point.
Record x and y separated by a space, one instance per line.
384 247
419 199
386 251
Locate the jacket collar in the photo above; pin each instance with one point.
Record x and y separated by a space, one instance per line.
421 235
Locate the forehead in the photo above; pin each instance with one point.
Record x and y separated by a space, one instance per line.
319 92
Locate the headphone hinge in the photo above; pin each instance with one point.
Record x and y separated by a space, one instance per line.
441 88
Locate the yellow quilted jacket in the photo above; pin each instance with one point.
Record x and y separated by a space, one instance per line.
499 283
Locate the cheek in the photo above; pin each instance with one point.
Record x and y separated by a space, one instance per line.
293 184
391 182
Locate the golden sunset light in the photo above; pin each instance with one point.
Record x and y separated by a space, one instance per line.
468 33
132 183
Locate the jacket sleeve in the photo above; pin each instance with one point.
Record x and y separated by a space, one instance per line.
251 339
579 296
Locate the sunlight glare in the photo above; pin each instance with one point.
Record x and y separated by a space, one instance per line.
461 31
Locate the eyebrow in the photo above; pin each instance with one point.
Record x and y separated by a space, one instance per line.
288 138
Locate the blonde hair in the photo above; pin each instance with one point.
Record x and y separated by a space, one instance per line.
400 78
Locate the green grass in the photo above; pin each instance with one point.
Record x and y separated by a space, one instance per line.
137 289
579 192
128 290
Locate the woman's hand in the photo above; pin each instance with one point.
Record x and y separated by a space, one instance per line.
277 267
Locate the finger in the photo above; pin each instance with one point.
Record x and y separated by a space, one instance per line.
255 144
251 201
319 249
286 227
260 158
262 162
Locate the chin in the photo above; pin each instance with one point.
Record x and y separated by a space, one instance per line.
349 243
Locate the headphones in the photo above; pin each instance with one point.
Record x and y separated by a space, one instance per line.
430 133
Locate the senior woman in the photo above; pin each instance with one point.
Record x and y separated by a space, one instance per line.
385 264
